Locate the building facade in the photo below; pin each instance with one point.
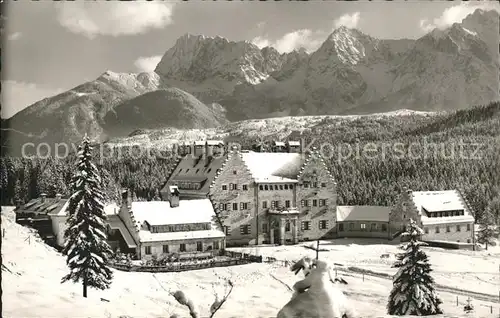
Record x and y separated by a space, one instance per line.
363 221
274 198
443 215
188 228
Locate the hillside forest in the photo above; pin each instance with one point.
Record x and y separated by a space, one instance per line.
459 149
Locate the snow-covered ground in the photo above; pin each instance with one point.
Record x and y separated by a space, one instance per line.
31 282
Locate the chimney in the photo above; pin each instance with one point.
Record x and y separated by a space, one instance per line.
43 196
174 196
58 196
208 153
126 198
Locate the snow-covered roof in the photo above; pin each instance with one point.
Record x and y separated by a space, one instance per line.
279 143
109 209
273 166
146 236
48 206
347 213
116 223
160 212
441 201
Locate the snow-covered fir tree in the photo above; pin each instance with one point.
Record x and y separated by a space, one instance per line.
488 230
413 292
85 238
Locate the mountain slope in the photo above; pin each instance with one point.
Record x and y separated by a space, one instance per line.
170 107
350 73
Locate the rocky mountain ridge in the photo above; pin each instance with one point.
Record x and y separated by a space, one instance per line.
216 80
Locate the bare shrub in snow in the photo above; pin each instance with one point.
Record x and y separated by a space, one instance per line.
182 299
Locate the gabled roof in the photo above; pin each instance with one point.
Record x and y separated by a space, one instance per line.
191 168
116 223
273 166
46 206
160 212
441 201
188 212
346 213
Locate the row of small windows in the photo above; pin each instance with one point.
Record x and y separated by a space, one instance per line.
188 185
444 213
234 206
304 226
234 186
182 247
458 228
313 185
271 187
374 227
307 203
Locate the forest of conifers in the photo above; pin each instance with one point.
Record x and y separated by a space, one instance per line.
438 152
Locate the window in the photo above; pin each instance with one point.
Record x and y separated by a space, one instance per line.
341 227
235 206
315 202
373 227
165 249
244 206
244 229
287 226
261 187
323 224
147 250
264 227
287 203
182 247
224 187
305 225
275 187
384 227
306 185
264 204
286 186
266 187
447 228
363 226
315 184
215 245
351 226
291 187
302 203
228 230
322 202
234 172
426 230
199 246
437 229
273 204
458 228
281 187
468 227
323 185
245 187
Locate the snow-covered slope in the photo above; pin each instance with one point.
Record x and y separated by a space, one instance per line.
31 273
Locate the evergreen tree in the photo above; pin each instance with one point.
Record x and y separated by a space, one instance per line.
85 246
413 291
488 230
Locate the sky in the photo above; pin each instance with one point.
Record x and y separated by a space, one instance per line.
50 47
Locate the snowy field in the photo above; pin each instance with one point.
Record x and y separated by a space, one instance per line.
31 282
